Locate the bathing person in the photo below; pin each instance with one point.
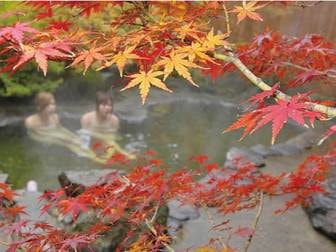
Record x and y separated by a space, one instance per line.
46 115
44 126
102 125
102 119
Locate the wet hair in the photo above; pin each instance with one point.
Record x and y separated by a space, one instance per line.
42 100
102 98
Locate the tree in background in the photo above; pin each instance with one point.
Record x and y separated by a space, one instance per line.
162 39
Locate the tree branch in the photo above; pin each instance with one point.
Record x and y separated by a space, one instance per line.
255 221
329 111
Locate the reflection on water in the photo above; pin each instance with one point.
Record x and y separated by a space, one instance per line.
175 130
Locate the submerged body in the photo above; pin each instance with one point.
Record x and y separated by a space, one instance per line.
44 126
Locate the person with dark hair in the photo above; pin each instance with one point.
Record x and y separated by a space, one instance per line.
101 125
102 119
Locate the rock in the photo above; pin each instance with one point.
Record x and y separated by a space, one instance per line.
10 120
90 177
71 189
173 226
321 209
286 149
264 151
245 155
181 211
305 140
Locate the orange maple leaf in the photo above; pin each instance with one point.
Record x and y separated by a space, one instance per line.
88 56
145 80
248 10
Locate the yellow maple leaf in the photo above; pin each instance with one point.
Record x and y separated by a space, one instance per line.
178 62
145 80
121 59
196 50
187 30
248 10
213 40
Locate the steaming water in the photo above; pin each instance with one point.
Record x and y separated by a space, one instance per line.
176 130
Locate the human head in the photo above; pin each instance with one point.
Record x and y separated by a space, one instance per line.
103 102
45 100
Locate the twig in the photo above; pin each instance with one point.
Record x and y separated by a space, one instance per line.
227 20
329 111
307 69
255 221
212 223
152 229
155 213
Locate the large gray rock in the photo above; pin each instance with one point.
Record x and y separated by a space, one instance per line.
285 149
179 213
244 155
90 177
265 151
182 211
305 140
322 209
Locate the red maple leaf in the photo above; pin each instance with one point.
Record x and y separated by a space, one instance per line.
304 77
77 241
73 206
244 231
201 159
6 192
259 98
60 25
43 52
47 13
16 210
278 114
17 32
247 121
213 69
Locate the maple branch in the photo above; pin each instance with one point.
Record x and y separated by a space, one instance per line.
329 111
255 221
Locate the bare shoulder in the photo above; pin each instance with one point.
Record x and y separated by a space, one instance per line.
86 119
31 121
